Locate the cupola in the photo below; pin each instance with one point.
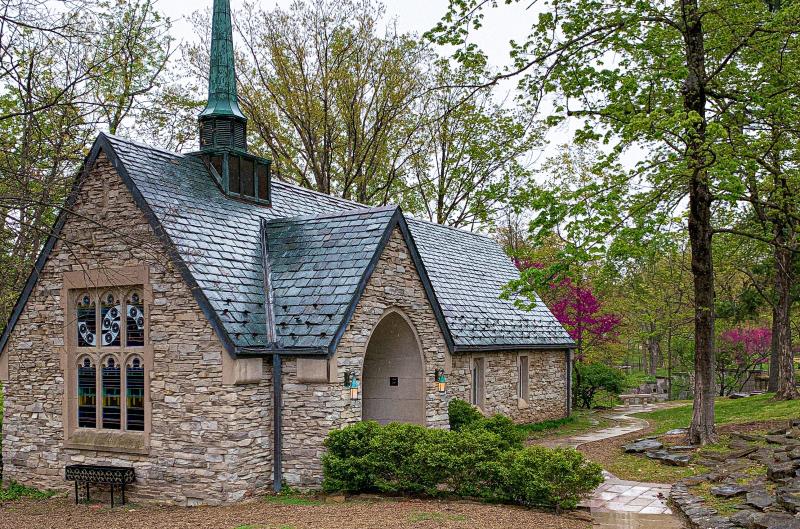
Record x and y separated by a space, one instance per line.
223 126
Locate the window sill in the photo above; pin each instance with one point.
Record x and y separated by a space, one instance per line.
108 441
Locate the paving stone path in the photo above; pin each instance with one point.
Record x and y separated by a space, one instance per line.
618 503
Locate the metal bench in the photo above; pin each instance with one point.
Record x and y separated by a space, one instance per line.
100 475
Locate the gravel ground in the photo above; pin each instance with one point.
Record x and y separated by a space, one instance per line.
61 513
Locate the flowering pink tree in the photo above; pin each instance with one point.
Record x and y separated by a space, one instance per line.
580 312
740 351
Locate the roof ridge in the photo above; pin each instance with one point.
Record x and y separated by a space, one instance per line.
140 144
452 228
335 215
317 193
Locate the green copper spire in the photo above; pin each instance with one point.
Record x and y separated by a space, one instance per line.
222 124
222 95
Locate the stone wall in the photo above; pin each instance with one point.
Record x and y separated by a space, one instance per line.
209 443
312 410
547 386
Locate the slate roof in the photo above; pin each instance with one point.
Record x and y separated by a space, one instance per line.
320 251
318 264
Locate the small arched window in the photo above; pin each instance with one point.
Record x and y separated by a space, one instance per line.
134 317
134 385
87 320
110 312
112 405
87 393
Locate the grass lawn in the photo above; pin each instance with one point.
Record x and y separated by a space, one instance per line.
728 411
580 421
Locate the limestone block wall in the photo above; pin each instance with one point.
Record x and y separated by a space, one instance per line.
311 410
209 442
547 384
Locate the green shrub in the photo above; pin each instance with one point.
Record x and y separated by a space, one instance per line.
544 477
591 378
483 460
348 464
461 413
510 435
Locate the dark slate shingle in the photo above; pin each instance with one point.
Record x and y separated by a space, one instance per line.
219 239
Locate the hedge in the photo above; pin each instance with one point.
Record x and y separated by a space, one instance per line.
481 460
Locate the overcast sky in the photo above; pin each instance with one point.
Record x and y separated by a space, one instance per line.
416 16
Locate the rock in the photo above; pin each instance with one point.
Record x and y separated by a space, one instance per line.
746 519
681 448
780 470
744 452
691 481
763 520
642 445
729 491
739 395
746 436
677 460
789 500
760 499
776 521
678 431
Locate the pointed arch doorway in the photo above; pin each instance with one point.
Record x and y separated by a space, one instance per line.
393 377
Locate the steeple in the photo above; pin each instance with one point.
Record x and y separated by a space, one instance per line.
222 123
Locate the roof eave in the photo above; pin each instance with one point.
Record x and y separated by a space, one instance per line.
513 347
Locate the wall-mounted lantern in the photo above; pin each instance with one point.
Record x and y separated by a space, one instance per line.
351 381
441 381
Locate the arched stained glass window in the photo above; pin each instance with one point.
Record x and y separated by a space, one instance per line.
87 393
112 410
110 313
87 321
134 383
134 308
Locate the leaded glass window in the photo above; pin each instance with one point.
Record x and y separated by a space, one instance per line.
87 393
110 358
134 384
134 308
112 405
87 320
110 313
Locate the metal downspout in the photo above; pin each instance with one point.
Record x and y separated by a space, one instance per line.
277 367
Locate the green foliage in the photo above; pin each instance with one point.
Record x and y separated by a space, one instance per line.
460 413
540 476
482 460
510 436
636 379
348 463
591 378
15 491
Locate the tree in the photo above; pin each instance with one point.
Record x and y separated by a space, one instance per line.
652 75
740 351
54 60
471 151
330 95
592 377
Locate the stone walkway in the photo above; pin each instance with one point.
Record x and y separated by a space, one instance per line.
618 503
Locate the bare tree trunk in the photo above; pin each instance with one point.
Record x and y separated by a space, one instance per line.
774 356
702 429
653 350
781 323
